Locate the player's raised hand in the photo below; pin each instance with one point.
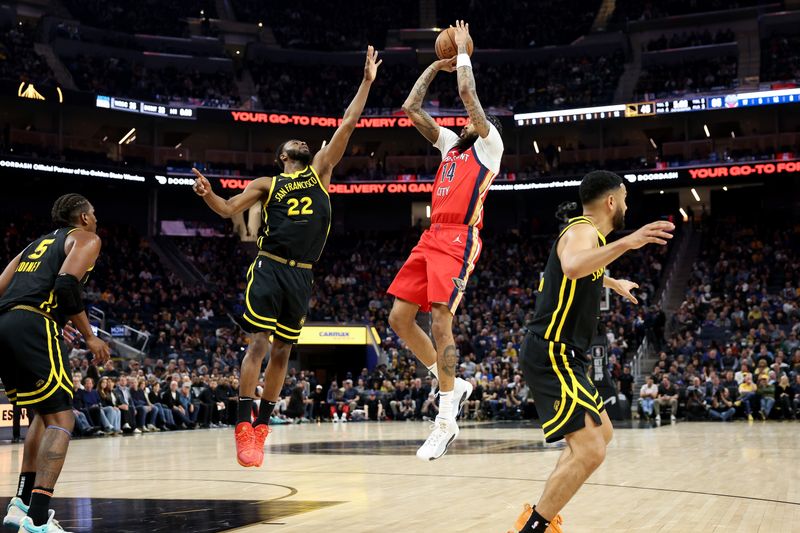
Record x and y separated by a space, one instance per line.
99 349
653 233
623 287
372 64
446 65
461 34
201 184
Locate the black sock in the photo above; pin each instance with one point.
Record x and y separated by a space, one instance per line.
40 503
264 412
26 480
535 524
245 410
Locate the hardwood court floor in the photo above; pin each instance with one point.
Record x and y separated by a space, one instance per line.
688 477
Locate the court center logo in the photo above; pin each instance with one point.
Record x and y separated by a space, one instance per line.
460 284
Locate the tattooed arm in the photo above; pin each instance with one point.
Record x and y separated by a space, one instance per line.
413 104
466 84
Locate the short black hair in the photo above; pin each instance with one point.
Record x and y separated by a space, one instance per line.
68 207
496 123
278 153
597 183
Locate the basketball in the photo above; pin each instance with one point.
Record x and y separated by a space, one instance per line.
446 44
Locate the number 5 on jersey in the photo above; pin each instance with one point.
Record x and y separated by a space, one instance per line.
41 249
294 204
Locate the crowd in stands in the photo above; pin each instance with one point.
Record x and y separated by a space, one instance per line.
116 76
780 59
327 25
735 347
554 83
687 77
634 10
18 59
687 40
146 17
534 23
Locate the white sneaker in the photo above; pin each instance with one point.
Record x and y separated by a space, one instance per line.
658 419
52 525
443 432
672 418
137 431
344 418
15 512
461 392
335 417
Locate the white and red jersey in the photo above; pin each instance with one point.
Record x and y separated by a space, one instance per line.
463 179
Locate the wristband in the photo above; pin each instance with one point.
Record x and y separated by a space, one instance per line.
463 60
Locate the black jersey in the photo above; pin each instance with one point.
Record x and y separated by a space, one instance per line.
33 281
567 311
296 217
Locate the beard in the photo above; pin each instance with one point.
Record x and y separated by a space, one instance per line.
297 155
618 222
465 143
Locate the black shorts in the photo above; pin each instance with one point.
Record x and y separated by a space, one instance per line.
562 390
33 362
276 299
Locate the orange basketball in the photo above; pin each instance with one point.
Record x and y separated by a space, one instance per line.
446 44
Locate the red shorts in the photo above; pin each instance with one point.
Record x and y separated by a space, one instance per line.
439 266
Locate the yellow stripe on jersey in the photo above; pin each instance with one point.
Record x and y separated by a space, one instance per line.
558 307
478 211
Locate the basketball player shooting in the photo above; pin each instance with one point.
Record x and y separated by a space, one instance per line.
435 276
296 220
560 332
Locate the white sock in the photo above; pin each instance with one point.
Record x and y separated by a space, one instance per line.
434 370
446 405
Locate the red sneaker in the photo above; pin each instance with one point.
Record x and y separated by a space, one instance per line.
245 444
260 435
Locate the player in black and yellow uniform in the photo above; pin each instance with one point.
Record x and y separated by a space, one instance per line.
295 223
564 322
40 290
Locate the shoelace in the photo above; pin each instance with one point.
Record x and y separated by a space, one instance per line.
439 430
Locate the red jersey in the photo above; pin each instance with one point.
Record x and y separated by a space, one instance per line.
463 179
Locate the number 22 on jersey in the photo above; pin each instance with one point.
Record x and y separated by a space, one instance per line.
294 204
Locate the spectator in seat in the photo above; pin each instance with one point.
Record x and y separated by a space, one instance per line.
89 399
696 400
319 403
667 395
123 401
783 398
429 408
146 413
108 400
398 398
748 396
721 406
766 393
185 398
171 399
295 408
166 416
351 395
373 407
648 395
